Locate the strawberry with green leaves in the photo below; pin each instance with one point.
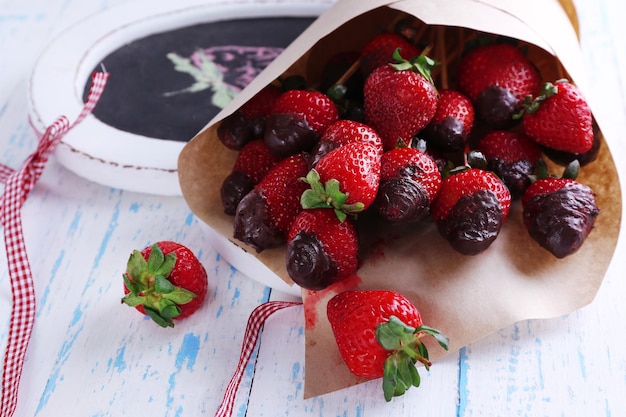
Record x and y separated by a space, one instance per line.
470 209
380 49
497 78
165 281
321 249
400 99
409 183
560 118
264 215
379 334
512 156
560 212
345 179
297 120
253 161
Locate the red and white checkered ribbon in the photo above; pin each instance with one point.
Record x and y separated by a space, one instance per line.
253 329
17 185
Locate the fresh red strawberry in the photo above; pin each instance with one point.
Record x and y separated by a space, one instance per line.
297 120
380 49
261 104
497 78
560 118
512 156
379 334
253 161
470 209
265 214
560 212
342 132
409 183
346 179
321 249
248 122
165 281
450 127
400 99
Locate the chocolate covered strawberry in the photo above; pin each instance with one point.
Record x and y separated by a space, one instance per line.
253 161
450 127
264 215
512 156
165 281
248 122
321 249
560 118
559 213
341 133
346 179
400 99
497 78
409 183
470 209
380 49
297 120
379 334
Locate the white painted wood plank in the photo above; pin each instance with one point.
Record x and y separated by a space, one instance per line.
84 337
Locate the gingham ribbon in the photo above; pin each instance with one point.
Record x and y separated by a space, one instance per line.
18 184
253 329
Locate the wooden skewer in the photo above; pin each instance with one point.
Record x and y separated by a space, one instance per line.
443 62
349 72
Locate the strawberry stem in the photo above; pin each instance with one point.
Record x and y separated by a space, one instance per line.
328 195
148 285
421 64
532 105
406 347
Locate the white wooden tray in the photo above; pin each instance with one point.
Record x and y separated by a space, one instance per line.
101 152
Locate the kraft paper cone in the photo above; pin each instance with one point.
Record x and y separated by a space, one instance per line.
466 297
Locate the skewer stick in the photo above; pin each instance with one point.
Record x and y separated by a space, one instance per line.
349 72
441 52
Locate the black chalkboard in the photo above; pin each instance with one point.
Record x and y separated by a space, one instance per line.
169 85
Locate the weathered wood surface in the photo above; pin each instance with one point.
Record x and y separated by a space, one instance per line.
91 357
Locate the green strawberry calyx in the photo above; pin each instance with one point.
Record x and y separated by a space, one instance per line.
327 195
407 348
421 64
148 285
531 105
542 171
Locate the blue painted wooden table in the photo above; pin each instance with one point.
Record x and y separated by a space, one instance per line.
91 357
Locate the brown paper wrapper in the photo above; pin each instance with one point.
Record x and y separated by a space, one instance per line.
466 297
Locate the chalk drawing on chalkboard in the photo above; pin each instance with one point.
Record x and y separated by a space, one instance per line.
226 70
160 56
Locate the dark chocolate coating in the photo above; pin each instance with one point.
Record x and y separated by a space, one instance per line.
252 224
401 199
319 150
235 131
446 135
308 264
473 223
289 134
516 176
561 221
496 107
234 188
